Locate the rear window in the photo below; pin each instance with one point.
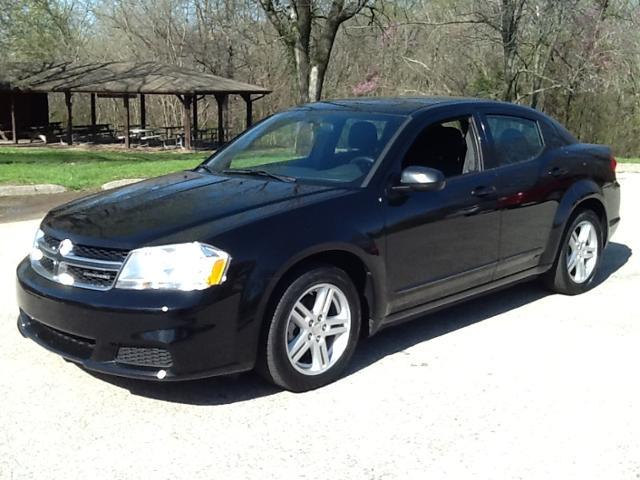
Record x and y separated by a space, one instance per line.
516 139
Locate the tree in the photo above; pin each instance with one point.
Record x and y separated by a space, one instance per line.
41 31
308 30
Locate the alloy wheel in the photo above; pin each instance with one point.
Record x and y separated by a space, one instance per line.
582 254
318 328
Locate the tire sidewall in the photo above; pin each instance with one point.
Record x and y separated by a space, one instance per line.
277 361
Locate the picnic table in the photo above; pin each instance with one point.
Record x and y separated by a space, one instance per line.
167 135
146 135
85 131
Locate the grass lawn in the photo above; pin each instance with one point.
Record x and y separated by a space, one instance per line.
628 160
81 169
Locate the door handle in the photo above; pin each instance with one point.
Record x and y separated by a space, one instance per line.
483 191
558 171
467 212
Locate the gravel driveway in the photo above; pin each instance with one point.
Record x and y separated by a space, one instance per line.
520 384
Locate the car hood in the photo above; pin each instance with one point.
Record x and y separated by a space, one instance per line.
162 207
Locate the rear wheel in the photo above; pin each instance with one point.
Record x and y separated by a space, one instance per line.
579 257
313 331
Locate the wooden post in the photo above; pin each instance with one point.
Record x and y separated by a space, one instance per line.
195 117
221 99
186 119
143 111
249 102
127 122
67 101
93 113
14 126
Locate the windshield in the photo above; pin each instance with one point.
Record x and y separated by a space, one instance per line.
306 145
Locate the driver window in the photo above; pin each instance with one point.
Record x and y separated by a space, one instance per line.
448 146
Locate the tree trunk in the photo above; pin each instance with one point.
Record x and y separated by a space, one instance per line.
14 126
303 71
511 11
310 53
302 21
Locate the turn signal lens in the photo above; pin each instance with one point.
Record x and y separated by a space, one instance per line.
217 272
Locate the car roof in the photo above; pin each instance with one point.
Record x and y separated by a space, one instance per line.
396 105
407 106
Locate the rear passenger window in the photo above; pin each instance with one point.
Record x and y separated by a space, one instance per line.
516 139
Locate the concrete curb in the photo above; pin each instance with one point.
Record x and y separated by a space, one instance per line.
120 183
20 190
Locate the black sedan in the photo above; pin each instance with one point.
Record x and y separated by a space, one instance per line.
321 224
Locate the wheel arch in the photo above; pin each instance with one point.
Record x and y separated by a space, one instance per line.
360 271
596 205
583 195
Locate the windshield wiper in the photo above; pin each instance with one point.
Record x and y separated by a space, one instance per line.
259 173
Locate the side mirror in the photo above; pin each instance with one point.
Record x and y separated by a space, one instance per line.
420 179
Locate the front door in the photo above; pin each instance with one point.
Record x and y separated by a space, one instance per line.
441 243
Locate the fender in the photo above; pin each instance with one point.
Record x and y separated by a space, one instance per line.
369 256
582 190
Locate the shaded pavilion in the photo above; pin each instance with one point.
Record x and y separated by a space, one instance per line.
128 80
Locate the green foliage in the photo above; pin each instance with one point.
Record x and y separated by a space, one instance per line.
87 169
40 30
484 86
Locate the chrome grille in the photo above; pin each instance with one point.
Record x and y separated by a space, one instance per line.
97 278
48 264
90 267
109 254
49 240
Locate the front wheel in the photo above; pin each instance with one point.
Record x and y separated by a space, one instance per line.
579 256
314 330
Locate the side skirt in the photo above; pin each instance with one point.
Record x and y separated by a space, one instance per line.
430 307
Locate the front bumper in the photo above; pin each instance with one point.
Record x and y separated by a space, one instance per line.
138 334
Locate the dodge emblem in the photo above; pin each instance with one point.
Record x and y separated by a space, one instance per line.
65 247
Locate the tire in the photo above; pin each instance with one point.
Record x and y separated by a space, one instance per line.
573 281
311 346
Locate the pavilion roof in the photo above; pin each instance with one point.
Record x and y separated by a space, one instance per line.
119 78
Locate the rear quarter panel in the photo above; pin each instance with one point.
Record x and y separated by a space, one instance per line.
589 178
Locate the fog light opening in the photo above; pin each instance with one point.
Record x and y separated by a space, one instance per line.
161 374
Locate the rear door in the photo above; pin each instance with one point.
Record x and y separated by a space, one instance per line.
521 160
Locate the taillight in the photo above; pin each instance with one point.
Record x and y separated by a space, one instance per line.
613 163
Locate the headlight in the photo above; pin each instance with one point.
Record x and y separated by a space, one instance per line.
184 266
36 253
